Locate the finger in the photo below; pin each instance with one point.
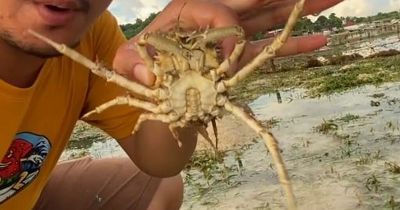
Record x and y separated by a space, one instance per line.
128 63
294 45
302 44
277 13
242 6
217 16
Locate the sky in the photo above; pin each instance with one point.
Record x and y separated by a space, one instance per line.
128 10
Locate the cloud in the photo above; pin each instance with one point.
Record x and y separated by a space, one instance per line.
363 7
351 7
129 10
395 4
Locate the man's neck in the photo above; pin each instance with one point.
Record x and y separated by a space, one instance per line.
18 68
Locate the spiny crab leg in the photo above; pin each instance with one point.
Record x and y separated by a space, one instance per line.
237 51
216 34
165 118
162 43
101 71
203 132
127 100
215 129
270 51
273 148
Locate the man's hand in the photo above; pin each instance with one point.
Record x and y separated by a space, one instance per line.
253 15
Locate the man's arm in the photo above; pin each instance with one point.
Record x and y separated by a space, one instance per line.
156 152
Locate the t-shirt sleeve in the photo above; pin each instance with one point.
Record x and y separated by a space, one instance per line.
118 121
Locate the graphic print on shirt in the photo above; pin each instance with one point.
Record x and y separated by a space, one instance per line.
22 162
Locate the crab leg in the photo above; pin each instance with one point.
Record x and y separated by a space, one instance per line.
126 100
273 148
101 71
162 43
269 51
165 118
203 132
216 34
237 51
215 129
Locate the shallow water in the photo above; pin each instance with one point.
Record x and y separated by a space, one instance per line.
343 169
366 48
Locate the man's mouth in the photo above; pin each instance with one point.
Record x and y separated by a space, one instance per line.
58 12
62 5
57 8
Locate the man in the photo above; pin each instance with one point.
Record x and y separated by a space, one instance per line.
43 94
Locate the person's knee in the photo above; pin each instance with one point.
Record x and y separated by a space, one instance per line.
176 187
169 194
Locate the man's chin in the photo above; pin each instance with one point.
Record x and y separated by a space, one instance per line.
40 50
42 54
46 52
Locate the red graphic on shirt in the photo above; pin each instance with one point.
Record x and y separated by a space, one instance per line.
11 163
22 162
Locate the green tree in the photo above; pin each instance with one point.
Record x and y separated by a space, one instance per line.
131 30
335 22
321 23
304 25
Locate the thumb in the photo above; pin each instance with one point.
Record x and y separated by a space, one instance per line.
128 63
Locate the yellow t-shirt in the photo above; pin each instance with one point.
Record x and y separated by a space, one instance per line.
36 122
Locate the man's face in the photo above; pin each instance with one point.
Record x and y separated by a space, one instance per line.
64 21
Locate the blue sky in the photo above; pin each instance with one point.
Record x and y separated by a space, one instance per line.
128 10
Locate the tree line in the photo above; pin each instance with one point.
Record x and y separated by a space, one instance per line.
132 29
304 25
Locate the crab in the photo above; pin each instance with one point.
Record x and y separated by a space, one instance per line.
192 85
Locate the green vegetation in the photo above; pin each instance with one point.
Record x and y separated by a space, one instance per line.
349 117
368 158
373 184
392 204
393 167
130 30
326 127
374 72
305 25
319 81
206 169
84 135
